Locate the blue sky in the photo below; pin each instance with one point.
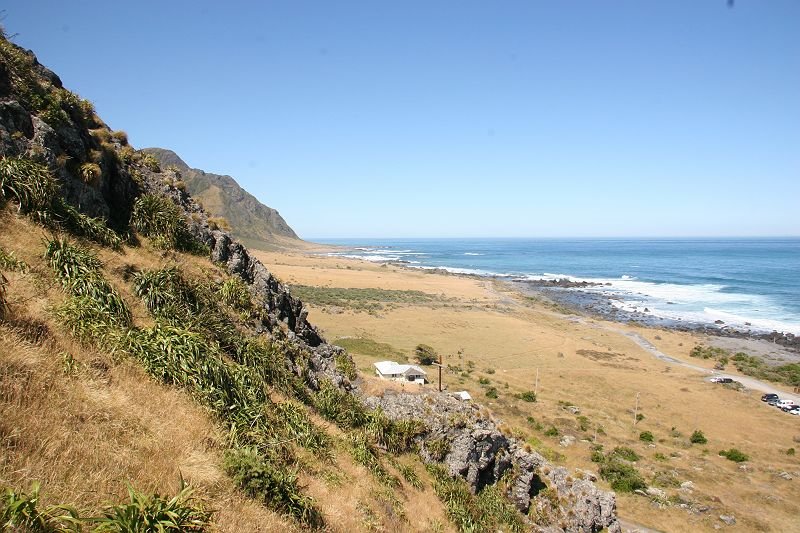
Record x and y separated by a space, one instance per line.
468 118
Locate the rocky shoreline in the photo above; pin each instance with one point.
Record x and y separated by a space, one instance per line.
569 295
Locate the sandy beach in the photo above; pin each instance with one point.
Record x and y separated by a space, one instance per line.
594 376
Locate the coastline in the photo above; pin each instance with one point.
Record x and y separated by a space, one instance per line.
497 340
781 346
600 306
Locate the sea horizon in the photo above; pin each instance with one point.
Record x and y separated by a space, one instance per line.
743 282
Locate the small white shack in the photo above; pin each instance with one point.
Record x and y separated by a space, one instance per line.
463 395
398 372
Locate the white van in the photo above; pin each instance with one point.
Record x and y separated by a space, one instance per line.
785 404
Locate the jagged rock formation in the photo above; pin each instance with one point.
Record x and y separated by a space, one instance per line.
251 221
480 453
102 176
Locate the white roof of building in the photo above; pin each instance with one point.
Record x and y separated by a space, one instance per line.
390 367
463 395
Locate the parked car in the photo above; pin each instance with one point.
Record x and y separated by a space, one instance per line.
773 401
770 396
785 404
720 380
794 410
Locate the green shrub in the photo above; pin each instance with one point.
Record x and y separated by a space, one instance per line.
484 381
626 453
266 481
425 355
708 352
583 422
666 478
790 451
698 437
491 392
753 366
152 512
734 455
527 396
552 431
622 477
646 436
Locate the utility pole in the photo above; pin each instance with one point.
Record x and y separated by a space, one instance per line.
636 410
440 372
536 387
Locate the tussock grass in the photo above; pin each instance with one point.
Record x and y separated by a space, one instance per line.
488 511
409 473
78 270
233 292
276 487
152 512
28 183
20 511
160 219
364 453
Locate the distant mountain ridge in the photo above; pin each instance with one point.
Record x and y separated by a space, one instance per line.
252 222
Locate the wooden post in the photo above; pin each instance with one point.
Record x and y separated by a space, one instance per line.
536 387
440 372
636 410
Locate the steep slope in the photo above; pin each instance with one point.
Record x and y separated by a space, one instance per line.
250 221
149 287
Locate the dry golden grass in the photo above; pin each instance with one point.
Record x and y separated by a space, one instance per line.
588 363
86 433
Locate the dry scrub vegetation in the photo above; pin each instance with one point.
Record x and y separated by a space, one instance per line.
495 343
81 414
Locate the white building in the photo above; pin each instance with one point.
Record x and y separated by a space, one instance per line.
463 395
397 372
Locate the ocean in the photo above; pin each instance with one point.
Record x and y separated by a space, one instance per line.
747 283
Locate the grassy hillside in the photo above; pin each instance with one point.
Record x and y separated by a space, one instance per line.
154 375
234 209
85 419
